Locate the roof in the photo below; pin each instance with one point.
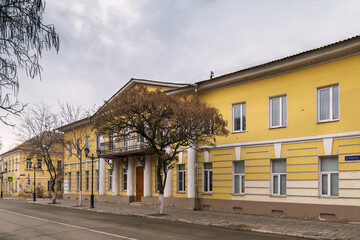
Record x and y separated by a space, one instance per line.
331 52
133 82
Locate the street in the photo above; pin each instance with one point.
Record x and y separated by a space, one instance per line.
20 220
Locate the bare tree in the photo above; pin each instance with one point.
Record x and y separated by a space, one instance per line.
37 131
167 123
23 37
78 133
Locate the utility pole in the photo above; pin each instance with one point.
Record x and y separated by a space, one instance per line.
34 194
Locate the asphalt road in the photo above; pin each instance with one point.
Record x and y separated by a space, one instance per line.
20 220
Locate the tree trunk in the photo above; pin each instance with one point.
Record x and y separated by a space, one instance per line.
161 204
53 199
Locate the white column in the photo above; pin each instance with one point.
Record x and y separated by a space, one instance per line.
115 178
147 176
169 184
130 177
191 172
102 177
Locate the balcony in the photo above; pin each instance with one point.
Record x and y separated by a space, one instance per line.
124 147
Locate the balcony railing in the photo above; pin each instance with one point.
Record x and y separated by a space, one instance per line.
122 145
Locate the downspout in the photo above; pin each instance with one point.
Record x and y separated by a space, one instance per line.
196 152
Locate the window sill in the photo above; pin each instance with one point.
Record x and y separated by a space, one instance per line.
238 194
278 196
242 131
329 197
277 127
181 192
206 193
327 121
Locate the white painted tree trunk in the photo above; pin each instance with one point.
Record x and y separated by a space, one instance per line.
161 204
53 199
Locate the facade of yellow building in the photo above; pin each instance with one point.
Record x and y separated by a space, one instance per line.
293 148
17 165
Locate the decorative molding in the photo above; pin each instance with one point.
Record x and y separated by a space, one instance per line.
328 143
237 153
206 155
277 150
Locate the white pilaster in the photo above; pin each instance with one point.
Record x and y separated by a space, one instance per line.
115 178
147 176
191 172
102 177
169 184
130 177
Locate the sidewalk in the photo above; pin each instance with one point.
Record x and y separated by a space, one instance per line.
284 226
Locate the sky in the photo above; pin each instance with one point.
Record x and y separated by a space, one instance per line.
105 43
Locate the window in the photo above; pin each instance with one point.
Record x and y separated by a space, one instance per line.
97 180
13 165
59 165
328 103
28 163
110 140
77 181
238 177
87 181
110 176
16 164
239 117
69 149
157 180
207 179
87 142
39 164
59 188
329 176
97 142
69 181
78 149
278 112
181 177
278 177
124 179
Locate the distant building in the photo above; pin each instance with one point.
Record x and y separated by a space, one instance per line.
293 150
18 164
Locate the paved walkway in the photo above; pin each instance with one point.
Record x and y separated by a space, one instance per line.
284 226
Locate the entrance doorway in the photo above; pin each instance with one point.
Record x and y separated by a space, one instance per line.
139 183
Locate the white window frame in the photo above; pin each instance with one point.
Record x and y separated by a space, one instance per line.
329 175
69 149
124 180
331 115
281 113
241 179
39 166
181 186
87 180
207 189
87 142
28 163
241 104
278 175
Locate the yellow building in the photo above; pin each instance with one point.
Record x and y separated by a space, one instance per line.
17 165
293 148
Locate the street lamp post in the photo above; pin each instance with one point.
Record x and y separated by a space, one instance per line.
34 194
98 152
1 184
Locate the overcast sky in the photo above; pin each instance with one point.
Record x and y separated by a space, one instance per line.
104 43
